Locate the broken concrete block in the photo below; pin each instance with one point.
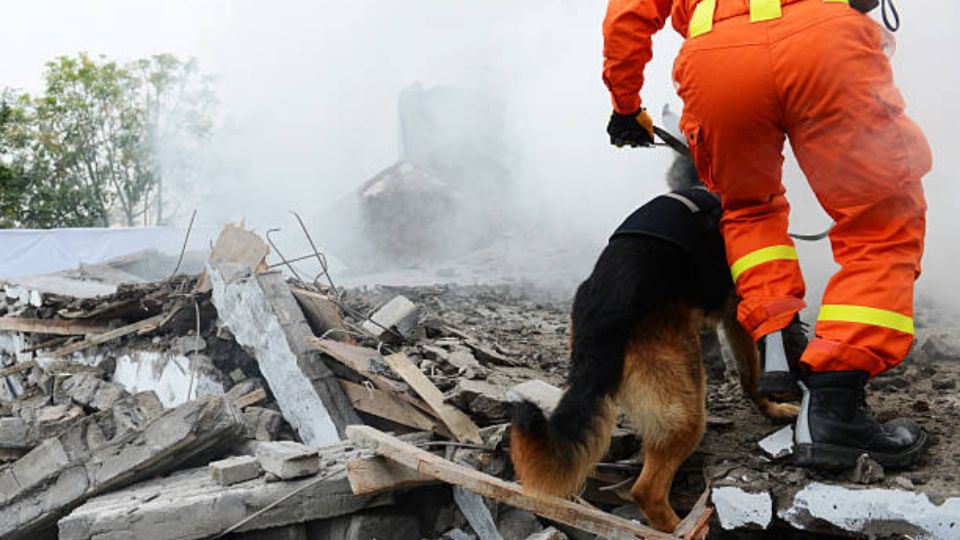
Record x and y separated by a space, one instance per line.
486 402
234 470
262 424
262 314
87 389
288 459
400 315
516 524
778 444
189 505
550 533
367 525
14 433
543 395
92 456
866 471
737 508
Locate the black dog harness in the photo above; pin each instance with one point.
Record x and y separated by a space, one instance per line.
677 217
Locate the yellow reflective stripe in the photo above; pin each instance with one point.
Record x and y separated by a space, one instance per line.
702 20
760 256
764 10
867 315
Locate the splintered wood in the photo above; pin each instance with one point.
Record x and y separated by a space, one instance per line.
146 325
53 327
239 246
459 423
424 463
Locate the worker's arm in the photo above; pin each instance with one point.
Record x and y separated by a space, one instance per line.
627 47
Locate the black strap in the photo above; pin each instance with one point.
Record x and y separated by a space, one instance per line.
895 25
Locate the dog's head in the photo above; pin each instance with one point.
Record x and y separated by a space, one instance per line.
683 174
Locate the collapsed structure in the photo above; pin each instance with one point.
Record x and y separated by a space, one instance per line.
240 404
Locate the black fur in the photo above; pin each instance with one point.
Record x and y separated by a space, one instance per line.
635 277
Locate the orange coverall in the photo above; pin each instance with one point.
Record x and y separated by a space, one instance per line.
813 71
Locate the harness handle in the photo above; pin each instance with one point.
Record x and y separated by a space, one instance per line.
895 24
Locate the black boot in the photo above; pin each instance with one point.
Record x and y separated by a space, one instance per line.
836 426
780 354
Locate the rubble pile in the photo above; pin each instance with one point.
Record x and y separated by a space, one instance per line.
241 404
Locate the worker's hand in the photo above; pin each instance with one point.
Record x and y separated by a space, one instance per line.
631 129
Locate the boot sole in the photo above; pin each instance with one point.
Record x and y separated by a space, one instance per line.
779 386
829 456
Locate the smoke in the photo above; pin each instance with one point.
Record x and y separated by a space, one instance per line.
309 90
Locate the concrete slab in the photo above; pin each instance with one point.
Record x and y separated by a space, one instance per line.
288 459
264 317
234 470
93 456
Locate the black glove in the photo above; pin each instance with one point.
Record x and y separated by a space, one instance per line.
631 129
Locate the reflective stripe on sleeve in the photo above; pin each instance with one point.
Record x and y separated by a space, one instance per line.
760 256
866 315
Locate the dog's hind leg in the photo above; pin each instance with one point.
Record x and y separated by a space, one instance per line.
663 396
748 367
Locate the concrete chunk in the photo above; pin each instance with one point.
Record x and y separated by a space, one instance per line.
288 459
87 389
14 433
778 444
262 424
94 456
399 314
262 314
543 395
234 470
190 505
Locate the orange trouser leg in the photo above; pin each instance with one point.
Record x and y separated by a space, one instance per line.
864 159
733 122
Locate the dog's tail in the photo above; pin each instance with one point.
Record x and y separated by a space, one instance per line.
555 455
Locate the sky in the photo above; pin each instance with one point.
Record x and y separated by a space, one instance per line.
308 93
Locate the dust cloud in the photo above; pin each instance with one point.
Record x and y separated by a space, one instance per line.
309 94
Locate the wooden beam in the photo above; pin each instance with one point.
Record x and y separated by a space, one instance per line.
459 423
142 327
322 314
554 508
252 398
377 474
386 405
17 368
696 525
357 359
50 326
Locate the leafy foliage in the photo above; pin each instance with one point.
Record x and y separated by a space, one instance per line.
89 151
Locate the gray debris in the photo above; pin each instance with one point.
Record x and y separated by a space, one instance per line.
779 444
234 470
478 515
550 533
866 471
87 389
62 472
516 524
262 424
543 395
288 459
399 314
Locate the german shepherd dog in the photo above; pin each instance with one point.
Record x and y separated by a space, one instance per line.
635 342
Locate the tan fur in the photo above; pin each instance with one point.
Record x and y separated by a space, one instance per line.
536 466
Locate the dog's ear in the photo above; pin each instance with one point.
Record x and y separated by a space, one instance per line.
682 173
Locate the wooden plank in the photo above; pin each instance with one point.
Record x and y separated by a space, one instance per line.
459 423
587 519
246 400
17 368
144 326
239 246
386 405
377 474
50 326
696 525
322 315
358 359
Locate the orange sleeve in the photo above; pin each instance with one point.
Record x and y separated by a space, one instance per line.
627 47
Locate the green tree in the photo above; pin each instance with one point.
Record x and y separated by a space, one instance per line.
94 148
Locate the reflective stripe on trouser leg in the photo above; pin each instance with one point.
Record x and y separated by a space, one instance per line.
761 256
702 20
867 315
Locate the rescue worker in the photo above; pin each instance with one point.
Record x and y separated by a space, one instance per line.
750 74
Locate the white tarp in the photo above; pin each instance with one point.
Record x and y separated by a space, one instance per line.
25 252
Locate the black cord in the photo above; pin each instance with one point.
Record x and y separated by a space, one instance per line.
895 25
